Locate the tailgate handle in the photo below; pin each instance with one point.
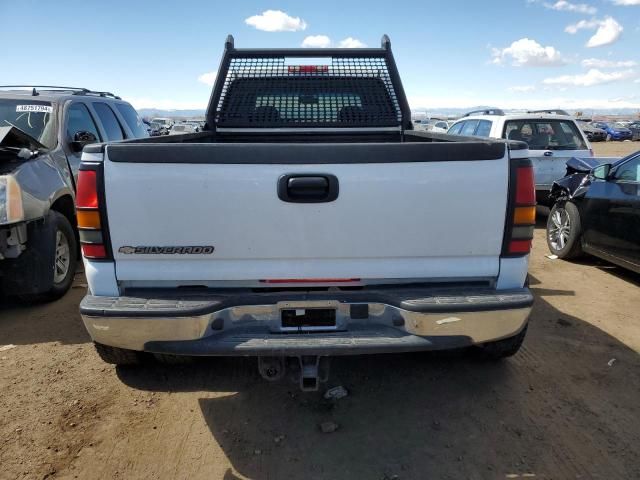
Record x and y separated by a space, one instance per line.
308 188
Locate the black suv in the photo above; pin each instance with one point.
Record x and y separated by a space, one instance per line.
43 130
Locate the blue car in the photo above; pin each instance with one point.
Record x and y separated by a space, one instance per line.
615 131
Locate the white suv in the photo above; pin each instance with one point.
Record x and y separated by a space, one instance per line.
552 135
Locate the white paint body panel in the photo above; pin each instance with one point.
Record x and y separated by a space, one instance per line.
395 220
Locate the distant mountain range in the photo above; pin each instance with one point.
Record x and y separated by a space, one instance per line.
156 112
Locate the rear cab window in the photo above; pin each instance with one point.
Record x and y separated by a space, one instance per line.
545 134
307 101
109 121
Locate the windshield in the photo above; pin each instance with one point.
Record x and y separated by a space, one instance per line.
35 118
546 134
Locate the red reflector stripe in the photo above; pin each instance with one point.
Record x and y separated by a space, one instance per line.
87 194
525 186
94 251
311 280
520 246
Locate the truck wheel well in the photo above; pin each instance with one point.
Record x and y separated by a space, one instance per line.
65 206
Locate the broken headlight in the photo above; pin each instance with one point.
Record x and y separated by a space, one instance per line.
11 210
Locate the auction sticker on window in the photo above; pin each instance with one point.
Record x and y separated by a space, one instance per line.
34 108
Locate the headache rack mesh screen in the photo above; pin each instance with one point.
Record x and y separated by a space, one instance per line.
347 92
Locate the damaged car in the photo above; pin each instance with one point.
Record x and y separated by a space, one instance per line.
42 133
597 211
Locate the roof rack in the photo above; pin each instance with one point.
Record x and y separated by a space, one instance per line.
74 90
485 111
551 112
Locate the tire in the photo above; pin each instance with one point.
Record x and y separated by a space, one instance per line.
65 262
504 348
564 231
118 356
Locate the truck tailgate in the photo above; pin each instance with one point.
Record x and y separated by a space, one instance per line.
398 220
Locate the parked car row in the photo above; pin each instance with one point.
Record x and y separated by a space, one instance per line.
614 130
594 134
167 126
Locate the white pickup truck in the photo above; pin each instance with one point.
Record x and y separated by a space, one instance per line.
307 220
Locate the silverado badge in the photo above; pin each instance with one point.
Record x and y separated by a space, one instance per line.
177 250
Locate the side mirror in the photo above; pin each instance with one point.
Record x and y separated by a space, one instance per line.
601 172
82 138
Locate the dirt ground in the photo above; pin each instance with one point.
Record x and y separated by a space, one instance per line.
615 149
565 407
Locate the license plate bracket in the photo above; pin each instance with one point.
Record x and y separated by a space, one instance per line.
308 319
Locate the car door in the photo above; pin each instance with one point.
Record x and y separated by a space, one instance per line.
551 143
611 214
77 118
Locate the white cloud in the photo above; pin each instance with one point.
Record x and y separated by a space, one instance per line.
626 2
276 21
322 41
527 53
589 79
608 31
208 78
565 6
599 63
581 25
351 42
316 41
522 88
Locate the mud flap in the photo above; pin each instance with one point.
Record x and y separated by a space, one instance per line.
32 271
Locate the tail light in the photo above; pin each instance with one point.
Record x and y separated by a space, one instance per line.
522 212
91 224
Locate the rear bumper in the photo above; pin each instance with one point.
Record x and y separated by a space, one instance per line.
247 324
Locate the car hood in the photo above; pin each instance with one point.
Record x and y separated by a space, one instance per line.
14 137
585 165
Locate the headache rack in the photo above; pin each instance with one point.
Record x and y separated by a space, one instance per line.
308 88
35 90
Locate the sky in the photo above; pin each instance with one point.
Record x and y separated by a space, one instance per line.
503 53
